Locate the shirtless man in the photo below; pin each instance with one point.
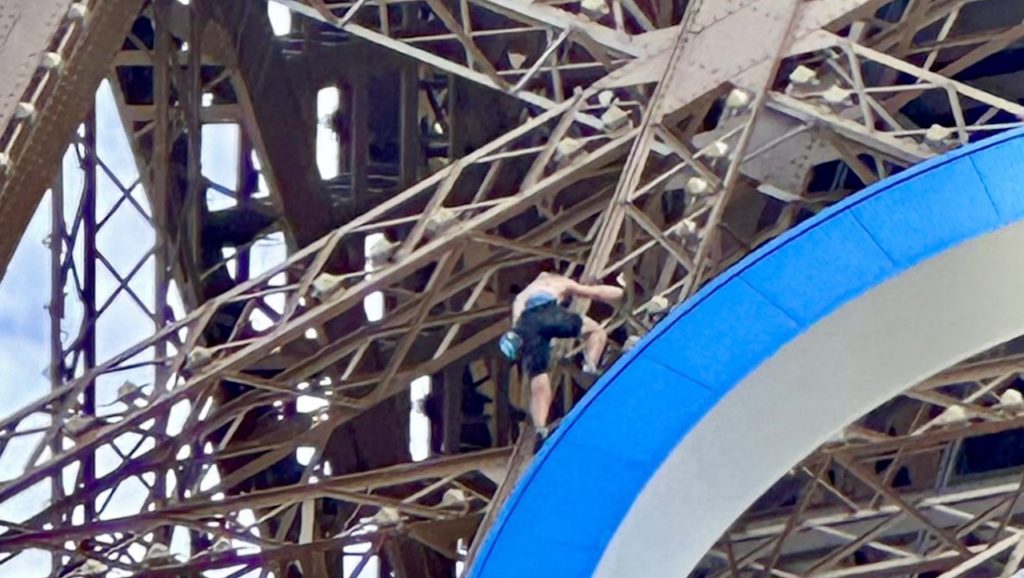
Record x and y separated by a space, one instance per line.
538 316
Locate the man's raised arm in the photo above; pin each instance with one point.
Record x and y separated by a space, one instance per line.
606 293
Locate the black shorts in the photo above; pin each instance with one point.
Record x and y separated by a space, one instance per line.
538 326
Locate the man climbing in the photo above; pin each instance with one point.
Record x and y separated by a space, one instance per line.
538 316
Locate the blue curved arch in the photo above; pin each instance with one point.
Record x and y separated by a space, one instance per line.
564 512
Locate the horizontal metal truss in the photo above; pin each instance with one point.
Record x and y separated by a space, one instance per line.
637 162
888 496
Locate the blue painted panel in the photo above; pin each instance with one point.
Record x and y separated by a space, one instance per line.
569 503
1001 168
821 269
572 484
646 417
523 554
928 214
719 342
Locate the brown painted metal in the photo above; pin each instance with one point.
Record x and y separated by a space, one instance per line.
58 97
472 210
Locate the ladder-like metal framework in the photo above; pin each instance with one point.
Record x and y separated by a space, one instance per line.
645 142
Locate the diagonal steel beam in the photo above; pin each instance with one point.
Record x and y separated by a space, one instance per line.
37 144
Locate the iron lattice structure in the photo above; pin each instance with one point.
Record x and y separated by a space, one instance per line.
646 142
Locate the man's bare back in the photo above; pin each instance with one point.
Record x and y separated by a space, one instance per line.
556 285
551 284
560 287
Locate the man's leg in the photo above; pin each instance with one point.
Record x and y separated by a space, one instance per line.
536 357
540 401
594 341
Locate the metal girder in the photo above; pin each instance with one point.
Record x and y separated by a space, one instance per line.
44 104
29 29
651 187
357 488
573 45
888 478
280 118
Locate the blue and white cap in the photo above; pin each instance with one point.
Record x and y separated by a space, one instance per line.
510 343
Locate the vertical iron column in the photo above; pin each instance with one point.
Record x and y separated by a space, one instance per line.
246 188
56 310
88 346
411 140
359 115
163 258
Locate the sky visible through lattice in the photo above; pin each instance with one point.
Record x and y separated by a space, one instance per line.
25 325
